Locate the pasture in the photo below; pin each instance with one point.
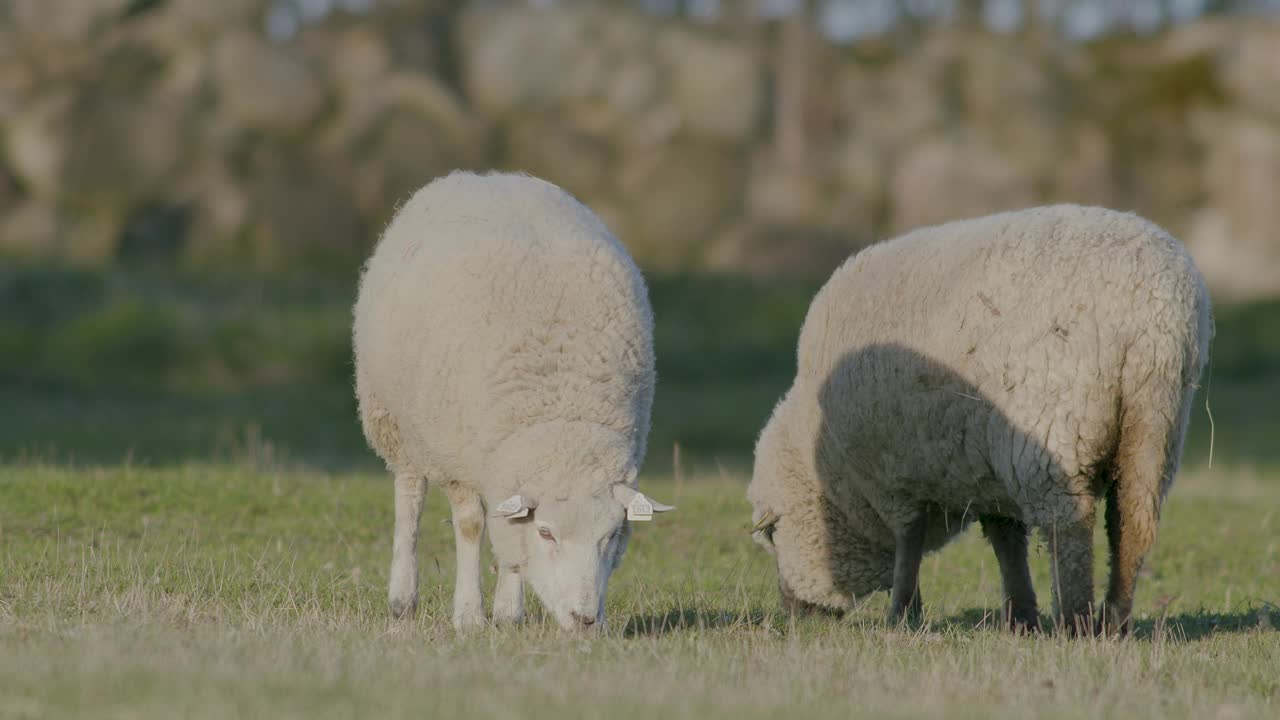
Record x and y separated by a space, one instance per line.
251 589
190 526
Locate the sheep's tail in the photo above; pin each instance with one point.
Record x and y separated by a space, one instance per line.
1162 373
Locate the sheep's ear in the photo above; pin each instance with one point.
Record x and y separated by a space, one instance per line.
516 506
639 506
767 519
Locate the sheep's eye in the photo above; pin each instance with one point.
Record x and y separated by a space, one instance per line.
545 532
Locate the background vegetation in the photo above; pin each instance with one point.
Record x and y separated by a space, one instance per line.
191 525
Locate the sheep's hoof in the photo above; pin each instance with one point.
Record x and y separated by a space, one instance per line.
468 619
507 618
1023 622
403 608
1078 626
1113 624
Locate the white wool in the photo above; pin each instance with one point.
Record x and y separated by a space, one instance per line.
1011 368
504 345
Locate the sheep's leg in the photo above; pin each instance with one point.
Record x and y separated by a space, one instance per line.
402 595
1071 564
905 602
468 528
1145 465
508 598
1008 538
1131 531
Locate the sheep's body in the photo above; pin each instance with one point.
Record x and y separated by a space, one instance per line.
503 345
1014 369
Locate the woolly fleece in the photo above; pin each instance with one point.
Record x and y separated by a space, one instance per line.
504 344
1014 368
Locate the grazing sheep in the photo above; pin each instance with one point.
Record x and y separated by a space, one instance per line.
1011 369
504 350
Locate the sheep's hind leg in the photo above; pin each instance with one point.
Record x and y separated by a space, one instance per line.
1008 537
468 528
402 593
905 603
1132 515
1071 564
1145 465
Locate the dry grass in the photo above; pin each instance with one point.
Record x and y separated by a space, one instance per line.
233 592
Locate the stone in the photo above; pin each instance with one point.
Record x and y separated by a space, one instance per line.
546 148
1234 237
69 21
716 84
262 86
126 149
1252 69
949 179
36 143
1013 99
677 201
519 56
303 212
29 230
1084 174
217 15
890 106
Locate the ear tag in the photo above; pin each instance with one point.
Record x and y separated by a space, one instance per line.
640 508
513 507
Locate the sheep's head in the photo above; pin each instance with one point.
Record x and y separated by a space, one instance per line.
571 545
564 517
825 556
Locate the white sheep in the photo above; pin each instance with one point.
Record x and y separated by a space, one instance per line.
1012 369
504 350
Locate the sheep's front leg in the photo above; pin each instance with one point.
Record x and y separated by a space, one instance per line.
1071 564
402 595
508 598
468 528
1008 538
906 603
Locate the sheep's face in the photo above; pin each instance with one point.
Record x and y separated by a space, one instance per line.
808 579
571 546
824 554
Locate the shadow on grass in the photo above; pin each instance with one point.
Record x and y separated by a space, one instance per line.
1201 623
660 624
1182 627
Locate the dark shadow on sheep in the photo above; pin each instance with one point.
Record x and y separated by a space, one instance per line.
891 397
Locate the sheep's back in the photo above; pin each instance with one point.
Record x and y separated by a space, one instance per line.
494 302
993 349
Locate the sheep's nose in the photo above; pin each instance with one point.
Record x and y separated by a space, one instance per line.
584 621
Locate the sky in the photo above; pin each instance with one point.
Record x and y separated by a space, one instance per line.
847 21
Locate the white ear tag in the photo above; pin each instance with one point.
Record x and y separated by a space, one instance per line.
513 507
640 508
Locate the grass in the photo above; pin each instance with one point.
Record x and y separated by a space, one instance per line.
169 546
252 590
106 366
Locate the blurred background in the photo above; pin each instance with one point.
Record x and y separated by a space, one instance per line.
188 187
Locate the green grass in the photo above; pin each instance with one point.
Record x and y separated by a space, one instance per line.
170 547
254 590
163 368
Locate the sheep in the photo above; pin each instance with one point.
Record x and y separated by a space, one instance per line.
1012 369
504 350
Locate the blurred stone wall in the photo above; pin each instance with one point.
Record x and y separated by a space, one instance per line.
176 132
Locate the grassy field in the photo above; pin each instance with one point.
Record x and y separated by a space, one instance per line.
104 367
191 526
253 590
